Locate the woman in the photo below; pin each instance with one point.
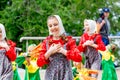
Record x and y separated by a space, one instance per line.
89 44
7 54
57 50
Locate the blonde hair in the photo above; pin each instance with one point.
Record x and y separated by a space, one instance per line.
31 47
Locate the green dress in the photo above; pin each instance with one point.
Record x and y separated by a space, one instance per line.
109 72
31 71
15 70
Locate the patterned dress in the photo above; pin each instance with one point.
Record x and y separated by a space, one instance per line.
59 67
92 56
6 72
93 59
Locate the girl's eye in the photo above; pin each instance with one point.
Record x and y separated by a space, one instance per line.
0 31
50 25
55 24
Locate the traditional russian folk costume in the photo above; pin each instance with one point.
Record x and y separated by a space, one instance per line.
81 73
15 70
109 72
31 70
59 67
92 56
6 72
75 73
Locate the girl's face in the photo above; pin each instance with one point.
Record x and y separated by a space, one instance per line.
0 34
53 26
106 14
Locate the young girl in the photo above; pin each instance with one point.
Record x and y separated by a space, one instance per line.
109 72
57 51
81 73
89 44
31 68
7 54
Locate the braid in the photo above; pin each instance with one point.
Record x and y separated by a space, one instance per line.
64 38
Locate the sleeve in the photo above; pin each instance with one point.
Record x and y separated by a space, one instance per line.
113 57
100 43
73 53
11 54
41 59
80 47
19 60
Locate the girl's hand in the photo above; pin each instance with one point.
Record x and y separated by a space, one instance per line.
88 43
52 50
63 51
28 60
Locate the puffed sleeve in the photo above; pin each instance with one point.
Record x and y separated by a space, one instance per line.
41 59
11 53
100 43
73 53
80 47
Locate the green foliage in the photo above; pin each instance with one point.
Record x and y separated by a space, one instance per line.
28 17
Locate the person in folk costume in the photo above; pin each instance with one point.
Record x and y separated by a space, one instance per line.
109 72
57 51
82 73
7 54
89 44
31 68
76 68
16 75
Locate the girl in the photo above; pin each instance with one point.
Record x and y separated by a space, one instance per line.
57 50
89 44
31 68
7 54
109 72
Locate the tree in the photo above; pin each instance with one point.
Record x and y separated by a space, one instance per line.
28 17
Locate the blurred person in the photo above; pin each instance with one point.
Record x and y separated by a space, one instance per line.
103 25
109 72
31 68
7 54
89 44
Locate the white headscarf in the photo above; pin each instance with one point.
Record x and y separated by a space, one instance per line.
60 24
3 31
92 25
